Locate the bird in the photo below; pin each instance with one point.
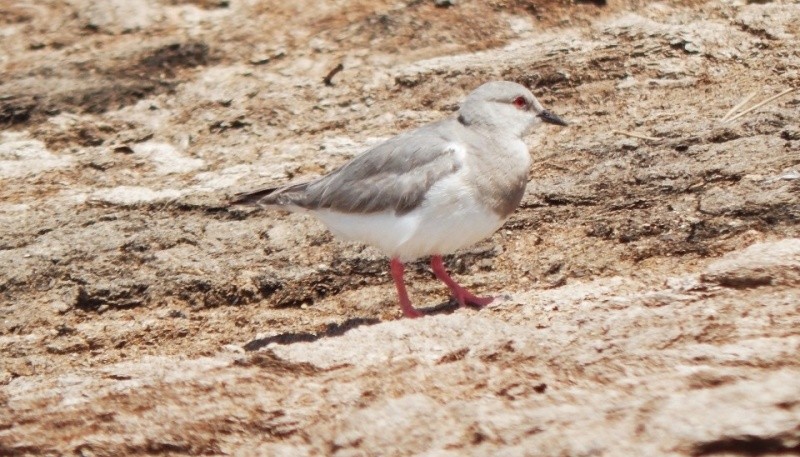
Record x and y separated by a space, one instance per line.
430 191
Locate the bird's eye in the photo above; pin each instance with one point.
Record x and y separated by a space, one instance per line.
520 102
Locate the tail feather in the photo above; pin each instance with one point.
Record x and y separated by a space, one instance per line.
291 195
253 197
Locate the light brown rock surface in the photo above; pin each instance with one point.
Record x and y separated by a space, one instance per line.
650 289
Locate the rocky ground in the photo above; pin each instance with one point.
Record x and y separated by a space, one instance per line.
648 287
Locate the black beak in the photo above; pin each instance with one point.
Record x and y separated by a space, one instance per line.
551 118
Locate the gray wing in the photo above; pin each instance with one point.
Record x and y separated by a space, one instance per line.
394 175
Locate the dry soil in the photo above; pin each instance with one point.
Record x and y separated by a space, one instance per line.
648 287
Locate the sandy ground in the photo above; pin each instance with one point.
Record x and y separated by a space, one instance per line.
648 288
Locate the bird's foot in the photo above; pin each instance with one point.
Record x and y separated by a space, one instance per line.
412 312
465 297
461 294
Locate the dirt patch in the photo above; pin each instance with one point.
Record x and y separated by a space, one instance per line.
647 285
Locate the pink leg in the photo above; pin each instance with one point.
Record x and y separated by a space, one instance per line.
397 269
462 295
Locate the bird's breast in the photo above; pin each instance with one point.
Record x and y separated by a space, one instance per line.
500 177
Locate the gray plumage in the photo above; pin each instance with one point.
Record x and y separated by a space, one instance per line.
394 175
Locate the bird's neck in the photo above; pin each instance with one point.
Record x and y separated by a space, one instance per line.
491 124
496 132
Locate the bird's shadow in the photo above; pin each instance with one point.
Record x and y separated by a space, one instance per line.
447 307
337 329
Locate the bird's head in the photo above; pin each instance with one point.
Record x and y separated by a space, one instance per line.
505 106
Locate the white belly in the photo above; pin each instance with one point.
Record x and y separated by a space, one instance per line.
450 219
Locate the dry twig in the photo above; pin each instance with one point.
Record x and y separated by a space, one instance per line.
635 135
759 105
738 106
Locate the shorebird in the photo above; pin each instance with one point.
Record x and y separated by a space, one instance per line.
430 191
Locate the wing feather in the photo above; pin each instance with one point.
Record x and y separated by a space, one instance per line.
394 175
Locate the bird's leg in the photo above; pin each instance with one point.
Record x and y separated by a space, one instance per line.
397 269
462 295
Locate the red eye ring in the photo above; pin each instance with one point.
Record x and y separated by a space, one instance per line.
520 102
